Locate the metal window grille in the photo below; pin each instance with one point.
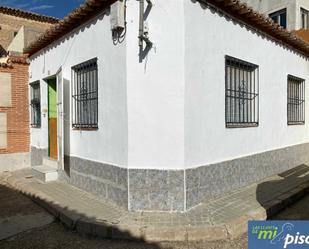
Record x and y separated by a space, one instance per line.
241 93
35 103
85 95
296 100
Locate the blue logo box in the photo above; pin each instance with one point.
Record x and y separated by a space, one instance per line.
278 234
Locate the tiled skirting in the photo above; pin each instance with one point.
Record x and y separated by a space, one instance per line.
210 181
179 190
37 156
102 180
156 190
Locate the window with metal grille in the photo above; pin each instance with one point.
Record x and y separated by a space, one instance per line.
296 100
279 17
241 93
304 18
35 103
85 95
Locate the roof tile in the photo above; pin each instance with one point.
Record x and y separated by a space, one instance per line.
28 15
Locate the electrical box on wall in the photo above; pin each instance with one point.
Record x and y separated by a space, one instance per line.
117 15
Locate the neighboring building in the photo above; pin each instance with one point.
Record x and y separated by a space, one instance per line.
291 14
14 113
213 99
21 28
17 30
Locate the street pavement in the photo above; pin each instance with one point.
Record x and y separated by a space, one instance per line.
18 213
25 225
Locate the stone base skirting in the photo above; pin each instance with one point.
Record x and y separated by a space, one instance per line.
178 190
210 181
37 155
103 180
161 190
14 161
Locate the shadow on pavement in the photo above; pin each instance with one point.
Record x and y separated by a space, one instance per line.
279 193
15 204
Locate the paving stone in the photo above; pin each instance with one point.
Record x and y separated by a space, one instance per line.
207 233
128 232
212 220
238 226
258 214
165 234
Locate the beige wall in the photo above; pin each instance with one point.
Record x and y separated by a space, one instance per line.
18 43
3 130
5 90
10 24
269 6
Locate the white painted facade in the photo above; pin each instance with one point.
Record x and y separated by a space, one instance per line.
167 112
207 140
156 88
79 46
293 8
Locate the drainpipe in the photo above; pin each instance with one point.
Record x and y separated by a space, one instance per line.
142 35
141 22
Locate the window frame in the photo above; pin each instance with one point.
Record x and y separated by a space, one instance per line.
254 93
277 14
35 105
78 71
301 111
304 12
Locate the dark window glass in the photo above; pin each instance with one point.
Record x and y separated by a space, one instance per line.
283 21
304 18
85 95
241 93
280 17
35 103
296 100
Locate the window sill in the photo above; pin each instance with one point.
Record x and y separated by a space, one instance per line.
35 126
296 123
84 129
233 126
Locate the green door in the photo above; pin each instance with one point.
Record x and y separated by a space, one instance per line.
52 118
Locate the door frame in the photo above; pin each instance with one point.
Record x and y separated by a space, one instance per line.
48 112
59 93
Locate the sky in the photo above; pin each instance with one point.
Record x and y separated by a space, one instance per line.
55 8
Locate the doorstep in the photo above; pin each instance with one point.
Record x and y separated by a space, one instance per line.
221 218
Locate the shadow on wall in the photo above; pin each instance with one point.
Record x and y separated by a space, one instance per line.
268 193
20 206
3 53
66 124
145 49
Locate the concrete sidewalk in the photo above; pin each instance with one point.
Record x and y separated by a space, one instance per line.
221 218
18 213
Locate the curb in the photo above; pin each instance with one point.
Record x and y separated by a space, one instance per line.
98 228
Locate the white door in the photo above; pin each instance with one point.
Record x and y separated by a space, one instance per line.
60 120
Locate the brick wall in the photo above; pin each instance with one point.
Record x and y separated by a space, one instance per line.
10 24
18 132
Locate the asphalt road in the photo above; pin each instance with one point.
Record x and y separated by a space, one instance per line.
41 231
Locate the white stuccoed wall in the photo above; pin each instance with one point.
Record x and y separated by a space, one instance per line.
156 88
109 143
168 111
209 37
